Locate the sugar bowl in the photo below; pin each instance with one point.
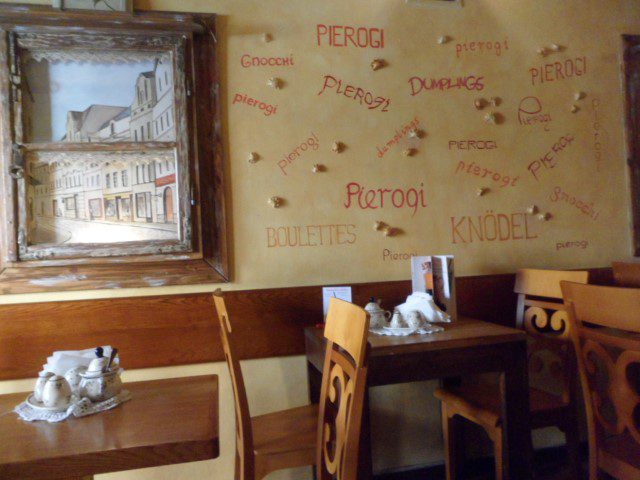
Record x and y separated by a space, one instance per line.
100 382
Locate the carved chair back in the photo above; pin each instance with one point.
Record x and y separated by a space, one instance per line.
343 389
540 312
626 274
244 436
605 326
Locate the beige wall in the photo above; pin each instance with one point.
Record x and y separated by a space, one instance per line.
593 173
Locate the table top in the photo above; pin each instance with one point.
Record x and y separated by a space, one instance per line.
461 333
166 421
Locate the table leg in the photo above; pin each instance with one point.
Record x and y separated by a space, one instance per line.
315 383
515 413
365 463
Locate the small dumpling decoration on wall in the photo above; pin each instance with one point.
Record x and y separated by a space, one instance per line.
317 168
275 202
532 209
490 117
266 37
416 133
253 158
547 50
409 152
482 191
575 108
275 82
337 147
443 39
377 64
387 230
543 217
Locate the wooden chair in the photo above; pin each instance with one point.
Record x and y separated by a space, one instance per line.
626 274
270 442
344 377
552 370
327 435
605 326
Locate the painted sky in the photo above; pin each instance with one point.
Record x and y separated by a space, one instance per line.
76 86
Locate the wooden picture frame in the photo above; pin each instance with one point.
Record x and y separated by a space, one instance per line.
631 72
179 218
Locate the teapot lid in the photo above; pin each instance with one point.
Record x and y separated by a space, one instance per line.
372 306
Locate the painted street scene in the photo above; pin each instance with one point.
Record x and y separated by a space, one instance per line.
102 198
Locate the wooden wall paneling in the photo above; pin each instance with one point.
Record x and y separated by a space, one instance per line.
180 329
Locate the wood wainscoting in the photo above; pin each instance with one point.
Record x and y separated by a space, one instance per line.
181 329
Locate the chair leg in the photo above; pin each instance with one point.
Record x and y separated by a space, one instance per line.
573 450
502 470
451 431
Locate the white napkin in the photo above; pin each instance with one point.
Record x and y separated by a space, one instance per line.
423 303
62 361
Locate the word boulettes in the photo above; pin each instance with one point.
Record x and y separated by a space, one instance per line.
344 36
311 235
248 61
471 82
549 160
397 137
490 227
311 142
375 198
356 93
481 172
551 72
560 195
488 47
268 109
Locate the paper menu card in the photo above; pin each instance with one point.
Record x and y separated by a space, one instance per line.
343 293
434 275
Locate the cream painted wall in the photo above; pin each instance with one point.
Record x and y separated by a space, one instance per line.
586 28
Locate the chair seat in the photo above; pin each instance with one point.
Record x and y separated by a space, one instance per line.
618 451
482 402
286 431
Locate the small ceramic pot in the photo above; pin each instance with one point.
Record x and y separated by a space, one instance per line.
414 319
101 386
378 317
73 376
397 321
56 392
40 383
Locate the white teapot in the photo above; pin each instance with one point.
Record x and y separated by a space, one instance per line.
378 317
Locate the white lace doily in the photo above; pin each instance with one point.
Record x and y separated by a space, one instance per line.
403 332
79 408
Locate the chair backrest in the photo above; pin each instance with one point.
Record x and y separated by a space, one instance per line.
626 274
245 467
540 312
344 378
605 327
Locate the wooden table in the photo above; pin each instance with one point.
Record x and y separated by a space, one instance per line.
166 421
466 347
